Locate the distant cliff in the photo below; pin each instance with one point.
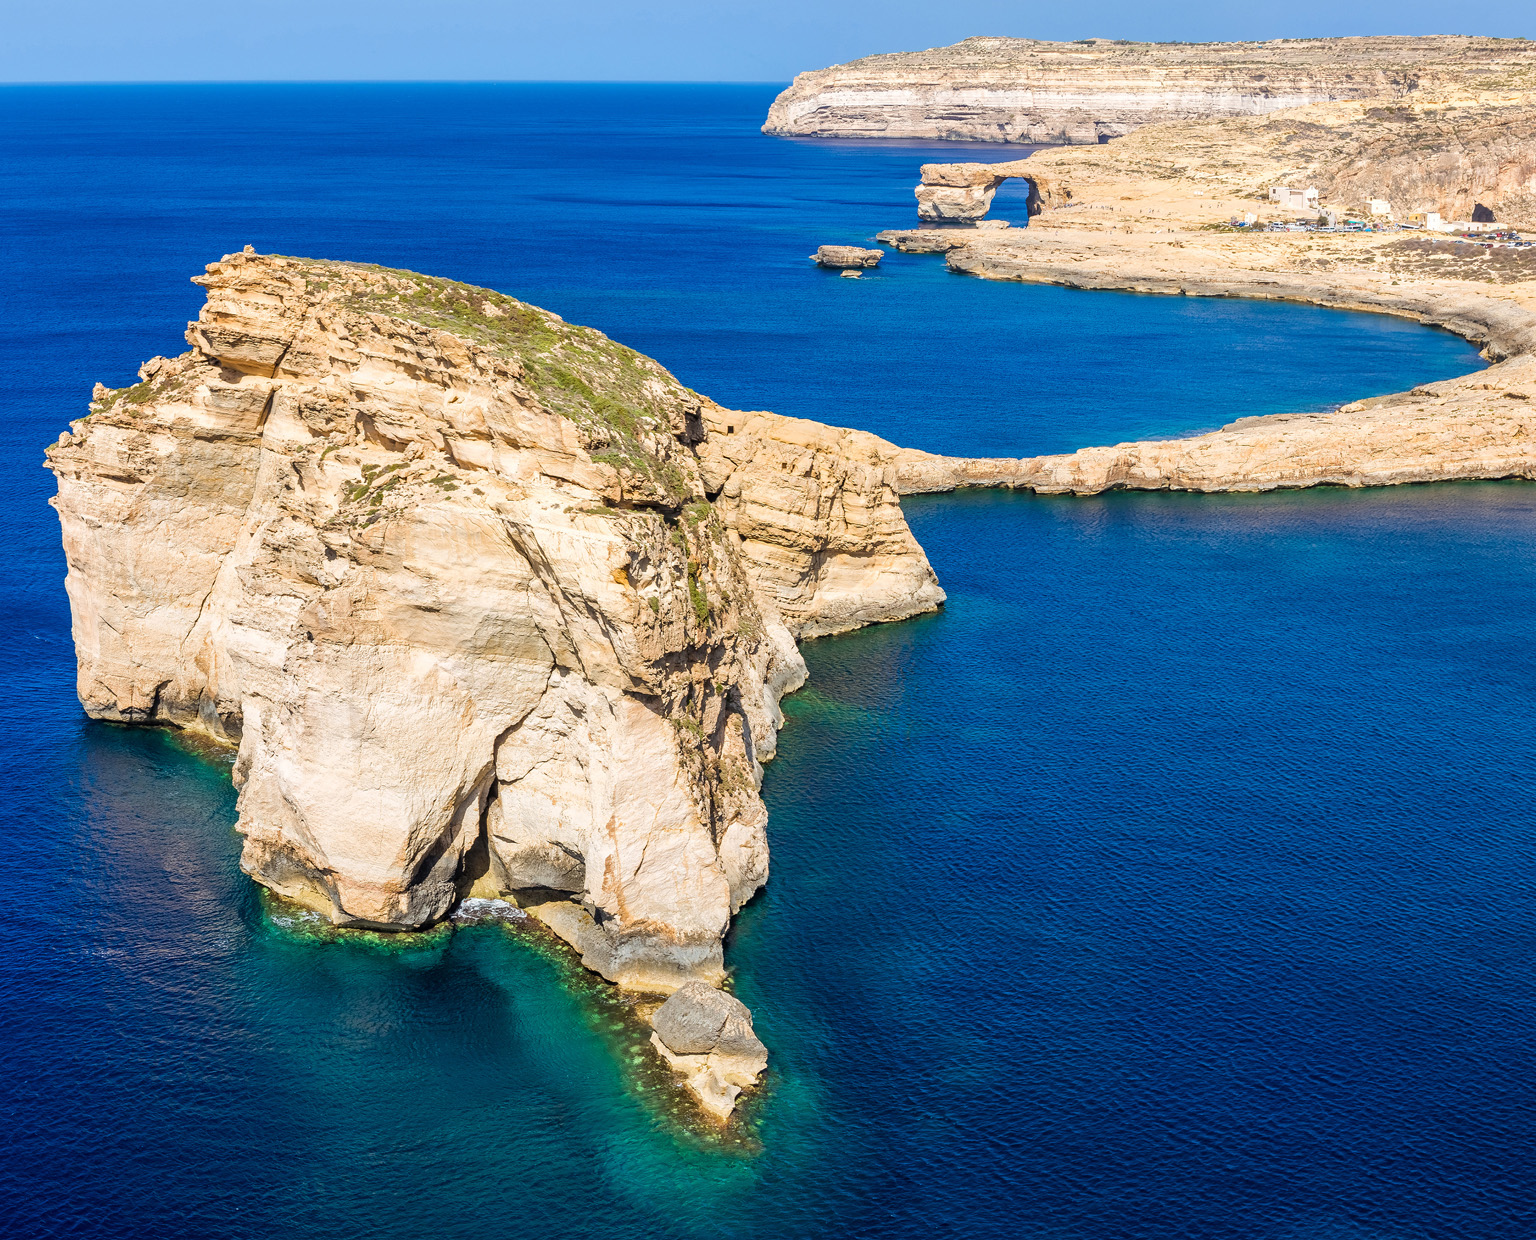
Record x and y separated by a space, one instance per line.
1028 90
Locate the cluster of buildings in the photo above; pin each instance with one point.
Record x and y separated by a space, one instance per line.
1376 216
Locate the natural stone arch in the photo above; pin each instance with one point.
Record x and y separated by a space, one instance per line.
962 193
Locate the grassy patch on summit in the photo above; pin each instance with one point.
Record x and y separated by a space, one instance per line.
621 401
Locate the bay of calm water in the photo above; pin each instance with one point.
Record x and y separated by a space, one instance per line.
1174 881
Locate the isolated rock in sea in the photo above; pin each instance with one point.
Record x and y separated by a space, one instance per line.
707 1037
847 256
1091 90
449 570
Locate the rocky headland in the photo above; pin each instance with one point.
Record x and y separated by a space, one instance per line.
1092 90
1152 213
490 604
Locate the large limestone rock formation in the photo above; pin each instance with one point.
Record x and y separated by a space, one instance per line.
490 602
1030 90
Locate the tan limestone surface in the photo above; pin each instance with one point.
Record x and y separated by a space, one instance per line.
489 602
1442 150
1149 213
991 89
846 256
1446 152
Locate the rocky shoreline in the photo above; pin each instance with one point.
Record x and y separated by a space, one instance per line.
1154 213
1481 425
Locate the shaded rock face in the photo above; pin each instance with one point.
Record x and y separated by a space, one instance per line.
698 1019
446 568
945 204
1034 91
843 557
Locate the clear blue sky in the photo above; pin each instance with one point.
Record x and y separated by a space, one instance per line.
624 40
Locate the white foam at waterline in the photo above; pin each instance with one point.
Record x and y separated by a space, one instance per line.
303 917
479 908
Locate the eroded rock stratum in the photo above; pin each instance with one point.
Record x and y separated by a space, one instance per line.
489 602
1092 90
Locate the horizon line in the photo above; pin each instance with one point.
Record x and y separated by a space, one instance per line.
395 82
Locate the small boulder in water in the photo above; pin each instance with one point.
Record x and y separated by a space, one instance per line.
847 256
706 1036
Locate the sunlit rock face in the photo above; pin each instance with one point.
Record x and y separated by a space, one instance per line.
1034 91
480 594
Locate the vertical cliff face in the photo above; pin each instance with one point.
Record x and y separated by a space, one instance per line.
449 571
1092 90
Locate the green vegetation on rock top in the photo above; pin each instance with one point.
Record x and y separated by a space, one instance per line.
622 402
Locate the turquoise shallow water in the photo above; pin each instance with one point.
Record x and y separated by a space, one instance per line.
1173 882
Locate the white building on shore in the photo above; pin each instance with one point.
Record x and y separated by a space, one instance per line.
1294 199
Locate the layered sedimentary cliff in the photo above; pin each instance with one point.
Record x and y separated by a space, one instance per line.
1442 151
490 602
1449 157
1029 90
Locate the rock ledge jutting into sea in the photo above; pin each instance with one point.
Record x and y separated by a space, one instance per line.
706 1036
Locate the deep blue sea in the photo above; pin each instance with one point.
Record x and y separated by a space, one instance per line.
1176 880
